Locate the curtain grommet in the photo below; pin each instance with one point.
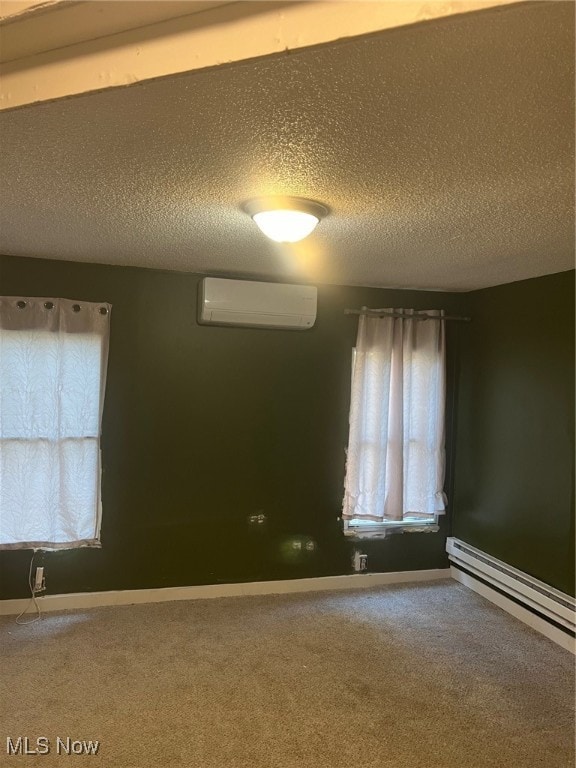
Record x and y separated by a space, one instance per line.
21 304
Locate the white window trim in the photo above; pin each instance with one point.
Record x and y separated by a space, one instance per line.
366 529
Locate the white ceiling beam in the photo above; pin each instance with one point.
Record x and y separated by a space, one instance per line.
14 9
59 49
56 24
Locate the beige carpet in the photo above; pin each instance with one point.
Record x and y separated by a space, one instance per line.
423 676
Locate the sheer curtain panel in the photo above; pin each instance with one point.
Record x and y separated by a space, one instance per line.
53 358
395 458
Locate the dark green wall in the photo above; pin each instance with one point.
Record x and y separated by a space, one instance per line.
204 426
515 442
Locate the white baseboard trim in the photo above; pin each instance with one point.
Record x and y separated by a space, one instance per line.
527 617
209 591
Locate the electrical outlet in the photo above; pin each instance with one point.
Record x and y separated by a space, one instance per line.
39 580
359 561
258 519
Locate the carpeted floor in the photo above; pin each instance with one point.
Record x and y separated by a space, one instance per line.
407 676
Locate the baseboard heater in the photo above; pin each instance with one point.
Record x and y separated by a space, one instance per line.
554 607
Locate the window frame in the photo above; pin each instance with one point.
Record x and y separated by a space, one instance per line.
60 525
371 529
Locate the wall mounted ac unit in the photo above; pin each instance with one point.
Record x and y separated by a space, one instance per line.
255 304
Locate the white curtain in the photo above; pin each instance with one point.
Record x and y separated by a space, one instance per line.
53 358
395 459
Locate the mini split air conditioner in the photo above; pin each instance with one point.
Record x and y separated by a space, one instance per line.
255 304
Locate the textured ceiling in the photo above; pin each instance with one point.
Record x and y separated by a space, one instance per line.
444 151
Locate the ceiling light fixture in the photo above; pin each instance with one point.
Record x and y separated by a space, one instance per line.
285 219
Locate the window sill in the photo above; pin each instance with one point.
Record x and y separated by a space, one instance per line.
381 530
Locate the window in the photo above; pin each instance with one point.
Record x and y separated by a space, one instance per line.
53 356
395 457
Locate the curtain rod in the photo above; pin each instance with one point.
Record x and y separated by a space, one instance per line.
416 316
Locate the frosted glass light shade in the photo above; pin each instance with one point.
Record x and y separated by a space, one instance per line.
285 219
286 226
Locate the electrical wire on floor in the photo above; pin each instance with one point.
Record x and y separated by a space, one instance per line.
32 598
